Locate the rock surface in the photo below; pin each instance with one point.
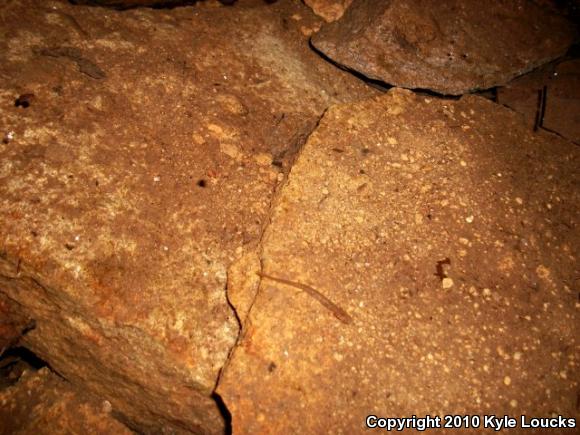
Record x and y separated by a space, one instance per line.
450 47
12 327
448 233
42 403
139 153
562 100
330 10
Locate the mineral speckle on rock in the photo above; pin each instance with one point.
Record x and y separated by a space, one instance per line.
450 47
383 193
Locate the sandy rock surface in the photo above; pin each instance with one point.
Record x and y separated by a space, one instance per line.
42 403
443 236
442 46
138 154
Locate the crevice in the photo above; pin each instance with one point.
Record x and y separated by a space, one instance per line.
276 192
167 4
14 361
121 6
224 411
377 84
380 84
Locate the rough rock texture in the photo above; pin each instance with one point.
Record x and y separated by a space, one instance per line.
330 10
450 47
138 154
562 100
12 326
42 403
448 233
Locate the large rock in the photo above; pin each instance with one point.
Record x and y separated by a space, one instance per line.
42 403
444 237
450 47
138 156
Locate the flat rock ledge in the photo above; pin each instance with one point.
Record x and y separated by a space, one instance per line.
442 46
443 235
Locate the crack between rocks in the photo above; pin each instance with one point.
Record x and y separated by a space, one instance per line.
276 192
374 83
382 85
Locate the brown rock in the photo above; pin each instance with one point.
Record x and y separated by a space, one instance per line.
387 199
561 84
330 10
126 196
42 403
450 47
12 325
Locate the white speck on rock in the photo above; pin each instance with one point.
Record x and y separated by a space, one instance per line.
447 283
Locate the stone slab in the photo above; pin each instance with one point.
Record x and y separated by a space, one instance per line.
449 47
444 233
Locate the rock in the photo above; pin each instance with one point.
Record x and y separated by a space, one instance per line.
126 196
12 325
562 100
345 224
42 403
330 10
450 47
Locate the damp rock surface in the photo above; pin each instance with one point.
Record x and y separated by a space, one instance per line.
42 403
139 151
443 236
449 47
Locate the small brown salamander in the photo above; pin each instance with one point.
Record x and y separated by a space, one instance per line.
338 312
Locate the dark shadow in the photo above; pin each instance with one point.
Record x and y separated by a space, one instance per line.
15 361
227 416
